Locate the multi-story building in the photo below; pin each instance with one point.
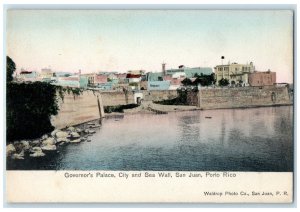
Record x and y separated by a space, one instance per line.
190 72
262 78
235 73
46 74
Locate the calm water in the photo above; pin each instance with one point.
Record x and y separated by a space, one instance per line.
258 139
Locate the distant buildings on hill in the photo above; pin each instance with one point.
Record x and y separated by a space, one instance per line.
168 79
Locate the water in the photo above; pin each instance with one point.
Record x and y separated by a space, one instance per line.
256 139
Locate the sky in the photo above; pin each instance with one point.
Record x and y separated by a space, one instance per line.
122 40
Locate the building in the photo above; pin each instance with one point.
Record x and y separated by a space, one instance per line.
28 76
262 78
70 81
175 80
156 76
105 86
158 85
46 74
190 72
95 79
235 73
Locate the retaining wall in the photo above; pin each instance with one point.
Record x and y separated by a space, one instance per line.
239 97
159 95
78 109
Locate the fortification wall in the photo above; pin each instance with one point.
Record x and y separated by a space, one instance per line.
159 95
240 97
78 109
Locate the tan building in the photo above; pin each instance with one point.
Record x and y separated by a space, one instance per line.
46 73
234 72
262 78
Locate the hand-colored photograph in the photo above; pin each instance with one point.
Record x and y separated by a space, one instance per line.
150 90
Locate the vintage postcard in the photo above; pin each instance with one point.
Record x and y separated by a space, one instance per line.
149 106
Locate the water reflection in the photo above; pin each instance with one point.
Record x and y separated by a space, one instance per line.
258 139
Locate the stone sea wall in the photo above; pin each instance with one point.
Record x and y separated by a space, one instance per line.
78 109
83 108
240 97
159 95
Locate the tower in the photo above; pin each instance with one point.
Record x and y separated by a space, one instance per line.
164 68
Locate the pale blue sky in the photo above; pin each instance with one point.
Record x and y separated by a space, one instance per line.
121 40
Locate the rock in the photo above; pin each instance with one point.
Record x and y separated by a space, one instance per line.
82 139
37 154
59 140
86 131
95 126
89 140
26 145
75 141
61 134
16 156
75 135
53 133
62 143
10 149
49 147
71 129
36 149
91 123
18 146
34 143
78 130
92 131
48 141
44 137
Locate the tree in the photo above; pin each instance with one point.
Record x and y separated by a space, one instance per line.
10 69
223 82
205 80
187 82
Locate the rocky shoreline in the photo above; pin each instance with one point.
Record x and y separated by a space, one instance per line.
49 143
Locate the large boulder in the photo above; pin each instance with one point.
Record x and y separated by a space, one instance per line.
71 129
44 137
48 147
75 135
62 134
53 133
75 141
37 154
60 140
48 141
91 131
10 149
36 149
26 145
16 156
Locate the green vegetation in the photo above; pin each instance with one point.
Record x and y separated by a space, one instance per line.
205 80
29 108
30 105
10 69
62 90
223 82
119 108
